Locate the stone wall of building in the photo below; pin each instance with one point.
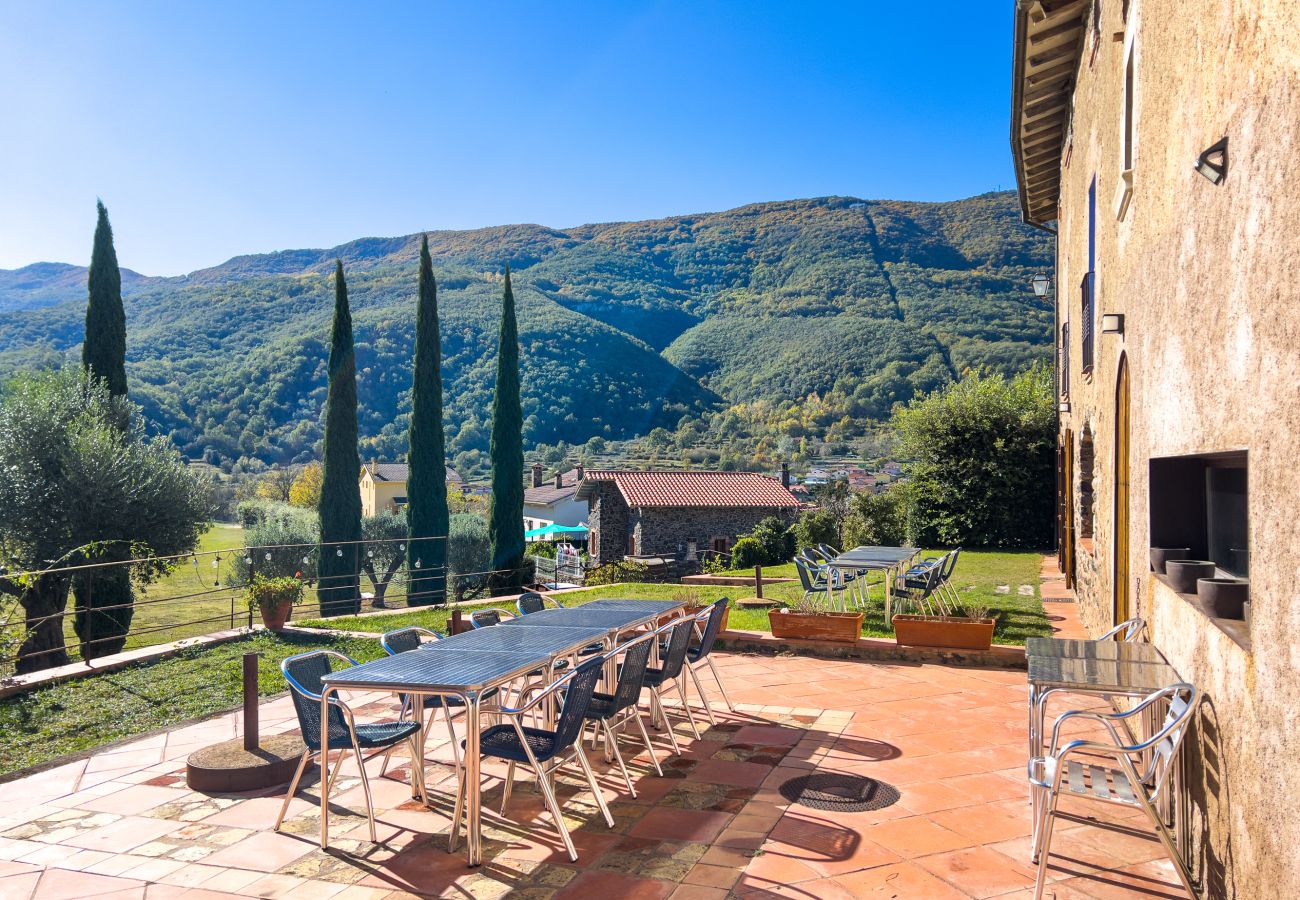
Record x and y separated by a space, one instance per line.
608 524
1205 276
669 531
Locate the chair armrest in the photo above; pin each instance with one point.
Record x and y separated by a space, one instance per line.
1104 718
545 692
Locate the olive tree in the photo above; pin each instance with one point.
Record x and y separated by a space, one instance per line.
79 488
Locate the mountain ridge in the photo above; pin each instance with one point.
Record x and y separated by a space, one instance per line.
663 320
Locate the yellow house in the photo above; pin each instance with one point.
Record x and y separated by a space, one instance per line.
383 486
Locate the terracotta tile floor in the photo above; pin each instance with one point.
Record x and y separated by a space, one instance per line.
122 824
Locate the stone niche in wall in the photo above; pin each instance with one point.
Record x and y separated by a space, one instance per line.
1202 502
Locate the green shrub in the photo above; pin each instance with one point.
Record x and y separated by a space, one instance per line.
816 526
984 456
747 553
268 539
877 519
616 572
775 538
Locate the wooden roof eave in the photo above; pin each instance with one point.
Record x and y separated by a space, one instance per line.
1047 47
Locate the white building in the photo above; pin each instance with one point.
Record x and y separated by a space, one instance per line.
554 502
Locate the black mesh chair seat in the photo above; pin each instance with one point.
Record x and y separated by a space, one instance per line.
602 706
377 734
502 741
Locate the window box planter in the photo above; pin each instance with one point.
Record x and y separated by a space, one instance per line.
952 632
821 626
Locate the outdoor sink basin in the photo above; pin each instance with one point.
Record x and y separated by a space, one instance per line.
1226 597
1184 573
1161 555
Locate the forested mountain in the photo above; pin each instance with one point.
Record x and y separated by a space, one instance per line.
798 319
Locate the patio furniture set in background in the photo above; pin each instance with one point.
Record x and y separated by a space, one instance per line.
532 679
1136 763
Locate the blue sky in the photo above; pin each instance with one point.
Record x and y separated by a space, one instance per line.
216 129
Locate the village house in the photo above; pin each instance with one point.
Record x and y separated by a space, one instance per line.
554 502
1160 141
677 514
383 486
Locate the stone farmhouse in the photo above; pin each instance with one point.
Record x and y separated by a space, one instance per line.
677 515
1160 142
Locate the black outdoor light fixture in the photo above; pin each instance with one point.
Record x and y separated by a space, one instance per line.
1040 284
1213 161
1112 323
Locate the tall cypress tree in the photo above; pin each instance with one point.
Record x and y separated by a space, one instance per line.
506 521
103 353
426 486
340 496
103 599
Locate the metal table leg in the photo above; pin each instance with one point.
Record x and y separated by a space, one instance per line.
325 767
473 788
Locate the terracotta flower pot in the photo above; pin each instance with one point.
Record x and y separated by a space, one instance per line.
831 626
953 632
1161 555
1185 573
275 617
1226 597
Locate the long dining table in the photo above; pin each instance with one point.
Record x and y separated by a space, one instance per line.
470 664
867 559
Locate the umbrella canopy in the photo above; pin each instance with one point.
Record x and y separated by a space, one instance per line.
554 529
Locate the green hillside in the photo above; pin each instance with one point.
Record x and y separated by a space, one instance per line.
624 327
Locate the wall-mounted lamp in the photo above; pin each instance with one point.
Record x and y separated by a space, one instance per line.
1040 283
1112 323
1213 161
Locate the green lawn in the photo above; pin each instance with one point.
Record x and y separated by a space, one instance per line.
79 715
976 578
164 621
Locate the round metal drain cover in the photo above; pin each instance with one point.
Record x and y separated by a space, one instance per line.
845 793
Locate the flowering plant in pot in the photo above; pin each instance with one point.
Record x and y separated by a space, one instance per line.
805 619
973 630
274 598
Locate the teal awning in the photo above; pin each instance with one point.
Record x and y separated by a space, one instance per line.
556 529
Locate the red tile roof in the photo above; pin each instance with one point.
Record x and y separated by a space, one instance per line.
693 488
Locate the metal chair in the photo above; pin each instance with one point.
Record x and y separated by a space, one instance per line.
304 672
483 618
535 747
674 658
404 640
1059 773
614 709
1127 631
532 602
710 621
811 578
920 587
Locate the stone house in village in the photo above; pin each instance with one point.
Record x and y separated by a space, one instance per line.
677 514
1160 141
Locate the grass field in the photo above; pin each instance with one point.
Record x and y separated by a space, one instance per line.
976 578
79 715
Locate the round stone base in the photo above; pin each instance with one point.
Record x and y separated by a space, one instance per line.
228 767
759 602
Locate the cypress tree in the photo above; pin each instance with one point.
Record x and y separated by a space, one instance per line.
103 353
426 487
506 519
340 496
104 599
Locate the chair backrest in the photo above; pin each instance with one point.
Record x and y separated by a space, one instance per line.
578 688
952 563
631 676
828 551
1164 744
482 618
304 672
403 640
530 602
679 642
806 577
1127 631
817 555
712 625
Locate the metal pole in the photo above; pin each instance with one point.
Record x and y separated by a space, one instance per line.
250 702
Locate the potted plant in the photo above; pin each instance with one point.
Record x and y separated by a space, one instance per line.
274 598
973 630
806 620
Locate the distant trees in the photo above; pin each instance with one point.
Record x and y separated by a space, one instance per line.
983 452
81 486
426 488
506 516
305 489
384 558
340 500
